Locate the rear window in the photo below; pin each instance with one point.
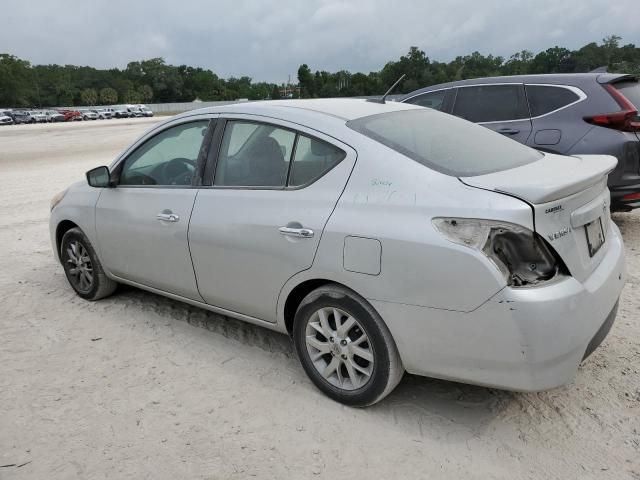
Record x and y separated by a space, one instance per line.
445 143
631 91
545 99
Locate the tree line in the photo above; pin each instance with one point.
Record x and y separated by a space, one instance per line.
420 71
146 81
155 81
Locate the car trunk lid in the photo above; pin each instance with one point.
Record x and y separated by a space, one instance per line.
570 203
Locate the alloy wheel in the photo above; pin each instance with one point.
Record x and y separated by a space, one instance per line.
79 266
339 348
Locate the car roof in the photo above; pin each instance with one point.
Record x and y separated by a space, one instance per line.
343 109
575 79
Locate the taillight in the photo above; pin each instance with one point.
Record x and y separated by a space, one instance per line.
522 256
626 120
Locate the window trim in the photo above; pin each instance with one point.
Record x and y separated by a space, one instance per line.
116 167
581 96
212 160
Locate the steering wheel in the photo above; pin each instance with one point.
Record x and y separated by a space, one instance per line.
178 171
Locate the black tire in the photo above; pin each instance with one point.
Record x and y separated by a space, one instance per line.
74 240
386 369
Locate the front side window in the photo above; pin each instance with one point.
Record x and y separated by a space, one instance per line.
433 100
169 158
254 155
445 143
544 99
491 103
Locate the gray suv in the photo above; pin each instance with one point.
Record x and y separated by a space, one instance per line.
590 113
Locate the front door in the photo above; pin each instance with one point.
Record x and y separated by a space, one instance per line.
261 221
142 223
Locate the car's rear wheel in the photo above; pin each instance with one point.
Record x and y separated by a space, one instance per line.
345 348
83 268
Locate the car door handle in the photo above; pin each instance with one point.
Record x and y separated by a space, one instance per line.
508 131
296 232
168 217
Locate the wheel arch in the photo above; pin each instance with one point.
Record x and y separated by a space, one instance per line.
293 296
63 227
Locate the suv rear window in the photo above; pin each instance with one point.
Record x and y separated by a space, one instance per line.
545 98
445 143
491 103
631 91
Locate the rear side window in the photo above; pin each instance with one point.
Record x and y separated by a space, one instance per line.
433 100
263 155
312 159
631 91
491 103
544 99
445 143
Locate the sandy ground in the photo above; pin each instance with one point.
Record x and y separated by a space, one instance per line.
138 386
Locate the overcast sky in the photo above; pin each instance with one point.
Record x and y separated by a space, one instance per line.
269 39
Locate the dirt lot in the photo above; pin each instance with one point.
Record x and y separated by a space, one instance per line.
138 386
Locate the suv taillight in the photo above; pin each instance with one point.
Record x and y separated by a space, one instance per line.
626 120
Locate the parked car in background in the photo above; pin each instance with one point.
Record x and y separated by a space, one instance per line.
569 114
54 116
21 116
381 237
70 115
39 116
120 111
145 111
134 111
103 113
89 115
6 117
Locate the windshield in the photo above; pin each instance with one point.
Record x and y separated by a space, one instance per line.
445 143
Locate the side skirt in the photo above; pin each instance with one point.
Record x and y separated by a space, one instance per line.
229 313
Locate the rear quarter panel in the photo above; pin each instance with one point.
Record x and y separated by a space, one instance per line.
392 199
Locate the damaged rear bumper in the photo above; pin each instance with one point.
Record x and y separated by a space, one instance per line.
523 339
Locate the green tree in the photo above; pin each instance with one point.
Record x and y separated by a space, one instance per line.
108 96
306 81
145 92
275 93
89 96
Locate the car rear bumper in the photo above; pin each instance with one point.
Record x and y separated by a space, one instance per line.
526 339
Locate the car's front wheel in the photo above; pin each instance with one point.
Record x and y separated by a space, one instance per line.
345 348
82 267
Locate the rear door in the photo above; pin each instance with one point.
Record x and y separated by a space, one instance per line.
260 220
501 108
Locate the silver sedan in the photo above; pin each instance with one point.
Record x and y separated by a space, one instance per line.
382 238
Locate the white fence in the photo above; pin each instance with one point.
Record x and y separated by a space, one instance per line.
185 106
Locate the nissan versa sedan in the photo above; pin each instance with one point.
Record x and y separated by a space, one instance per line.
382 238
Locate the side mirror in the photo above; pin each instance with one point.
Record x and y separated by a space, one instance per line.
99 177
